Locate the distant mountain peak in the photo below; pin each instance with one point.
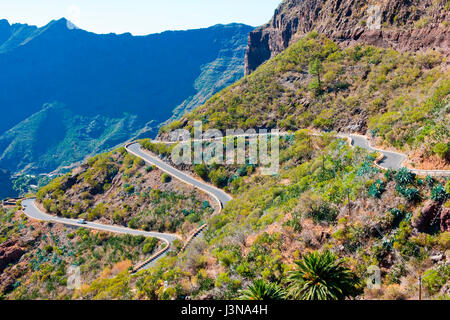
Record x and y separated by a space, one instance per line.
5 31
62 23
129 84
4 22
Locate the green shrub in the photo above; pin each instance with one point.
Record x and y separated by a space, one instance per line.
201 170
219 177
411 194
149 246
206 205
323 212
377 189
48 248
429 181
444 240
438 193
404 177
295 222
171 127
389 174
128 189
133 223
261 290
158 148
442 150
165 178
434 279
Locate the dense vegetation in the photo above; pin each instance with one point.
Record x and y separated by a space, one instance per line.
222 175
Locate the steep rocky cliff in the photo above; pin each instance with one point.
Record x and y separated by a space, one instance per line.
403 25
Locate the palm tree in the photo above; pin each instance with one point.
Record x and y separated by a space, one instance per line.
261 290
321 276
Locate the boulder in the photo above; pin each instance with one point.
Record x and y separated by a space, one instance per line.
10 252
424 219
445 220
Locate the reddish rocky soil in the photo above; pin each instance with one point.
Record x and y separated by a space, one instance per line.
10 252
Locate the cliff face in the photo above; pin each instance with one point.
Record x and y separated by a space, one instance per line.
408 25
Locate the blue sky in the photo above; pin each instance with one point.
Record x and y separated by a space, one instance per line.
139 16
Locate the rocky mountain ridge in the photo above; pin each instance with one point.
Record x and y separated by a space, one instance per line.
72 93
403 25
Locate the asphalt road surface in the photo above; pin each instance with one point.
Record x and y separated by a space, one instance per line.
392 160
32 211
220 195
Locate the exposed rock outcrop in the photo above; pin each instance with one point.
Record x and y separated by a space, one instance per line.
10 252
427 217
403 25
445 220
9 277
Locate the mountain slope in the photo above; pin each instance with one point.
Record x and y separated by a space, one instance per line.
384 225
6 186
108 83
402 25
399 99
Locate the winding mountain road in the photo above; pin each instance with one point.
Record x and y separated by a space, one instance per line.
32 211
221 196
391 160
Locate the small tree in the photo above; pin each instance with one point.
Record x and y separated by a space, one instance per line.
316 69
